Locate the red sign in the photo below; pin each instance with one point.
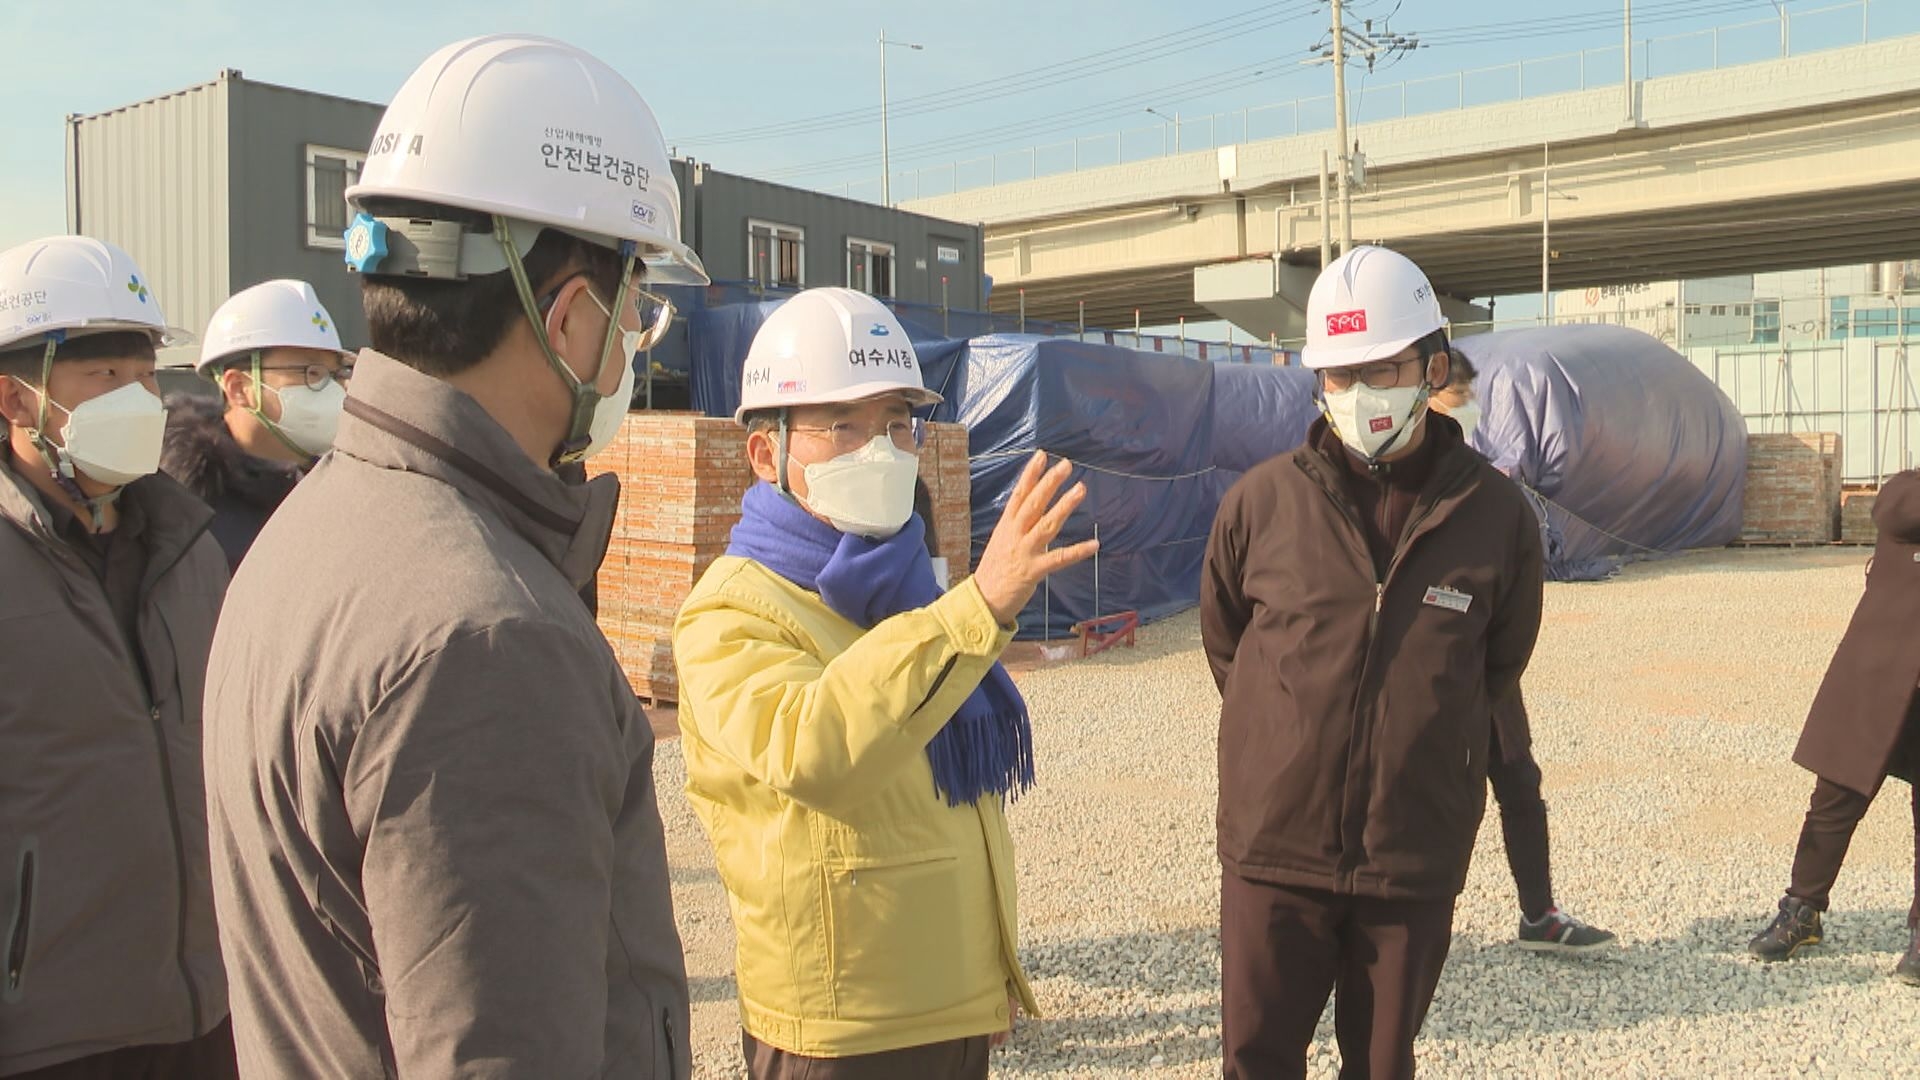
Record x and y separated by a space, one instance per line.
1347 322
1379 424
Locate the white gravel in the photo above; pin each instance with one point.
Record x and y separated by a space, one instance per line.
1665 707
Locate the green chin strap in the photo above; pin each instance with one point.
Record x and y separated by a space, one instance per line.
586 395
57 460
258 409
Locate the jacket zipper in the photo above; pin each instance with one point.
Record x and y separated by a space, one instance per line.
1379 603
172 797
23 922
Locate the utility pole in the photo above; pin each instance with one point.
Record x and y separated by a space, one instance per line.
1626 26
886 164
1340 128
1343 43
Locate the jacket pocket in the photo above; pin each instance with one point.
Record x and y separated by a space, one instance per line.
894 946
20 930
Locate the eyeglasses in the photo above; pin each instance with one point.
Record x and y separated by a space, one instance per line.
656 314
317 376
1382 376
847 436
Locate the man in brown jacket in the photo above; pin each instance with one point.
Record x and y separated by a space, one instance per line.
109 588
1864 727
1364 601
437 850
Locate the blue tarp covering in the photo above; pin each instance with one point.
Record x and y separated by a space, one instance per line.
1634 451
1631 450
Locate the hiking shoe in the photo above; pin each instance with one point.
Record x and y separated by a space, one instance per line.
1560 932
1908 970
1796 927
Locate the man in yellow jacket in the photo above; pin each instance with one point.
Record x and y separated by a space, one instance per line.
850 736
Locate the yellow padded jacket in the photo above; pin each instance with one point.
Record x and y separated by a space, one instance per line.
868 914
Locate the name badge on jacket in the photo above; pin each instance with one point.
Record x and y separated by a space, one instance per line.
1451 599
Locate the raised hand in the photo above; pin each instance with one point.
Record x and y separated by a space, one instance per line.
1017 557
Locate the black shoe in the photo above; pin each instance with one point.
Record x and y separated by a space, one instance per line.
1560 932
1796 927
1908 970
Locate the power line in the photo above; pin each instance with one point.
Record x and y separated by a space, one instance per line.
1232 78
1212 32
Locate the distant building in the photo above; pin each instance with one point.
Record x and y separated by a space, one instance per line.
1708 311
223 185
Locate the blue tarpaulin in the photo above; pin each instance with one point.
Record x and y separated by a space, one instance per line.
1630 450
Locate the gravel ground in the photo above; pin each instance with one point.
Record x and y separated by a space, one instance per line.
1665 707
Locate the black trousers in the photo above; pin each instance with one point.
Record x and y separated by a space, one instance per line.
958 1059
1832 816
209 1057
1523 822
1283 950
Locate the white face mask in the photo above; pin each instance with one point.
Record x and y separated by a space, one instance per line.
609 411
1467 416
115 438
1367 419
310 418
866 493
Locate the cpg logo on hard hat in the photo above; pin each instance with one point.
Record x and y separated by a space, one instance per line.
1347 322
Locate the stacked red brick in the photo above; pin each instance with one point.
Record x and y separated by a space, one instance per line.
681 478
1793 488
1856 516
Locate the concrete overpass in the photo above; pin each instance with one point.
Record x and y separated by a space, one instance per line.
1808 161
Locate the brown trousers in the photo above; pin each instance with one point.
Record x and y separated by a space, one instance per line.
209 1057
960 1059
1283 950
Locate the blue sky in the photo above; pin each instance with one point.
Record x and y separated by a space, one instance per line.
721 66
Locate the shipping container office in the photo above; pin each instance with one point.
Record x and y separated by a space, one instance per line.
788 238
221 186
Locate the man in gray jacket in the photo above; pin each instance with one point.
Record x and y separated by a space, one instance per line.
109 588
436 845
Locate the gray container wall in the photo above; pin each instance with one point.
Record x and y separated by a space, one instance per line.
152 179
271 129
718 207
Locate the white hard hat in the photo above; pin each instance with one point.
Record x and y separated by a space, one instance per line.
827 346
535 131
76 284
271 315
1367 305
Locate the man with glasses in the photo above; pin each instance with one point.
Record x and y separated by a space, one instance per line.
1365 600
437 850
275 356
851 738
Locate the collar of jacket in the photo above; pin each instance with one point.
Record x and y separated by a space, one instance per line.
1452 457
203 455
172 518
397 418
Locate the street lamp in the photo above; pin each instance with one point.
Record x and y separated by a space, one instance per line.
1174 121
886 161
1547 195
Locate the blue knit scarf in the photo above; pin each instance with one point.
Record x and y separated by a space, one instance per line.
987 747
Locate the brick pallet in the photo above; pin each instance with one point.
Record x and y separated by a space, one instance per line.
1856 517
1792 489
681 476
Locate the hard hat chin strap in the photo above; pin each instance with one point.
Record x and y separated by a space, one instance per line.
586 393
59 463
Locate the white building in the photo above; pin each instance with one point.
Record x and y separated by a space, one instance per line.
1708 311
